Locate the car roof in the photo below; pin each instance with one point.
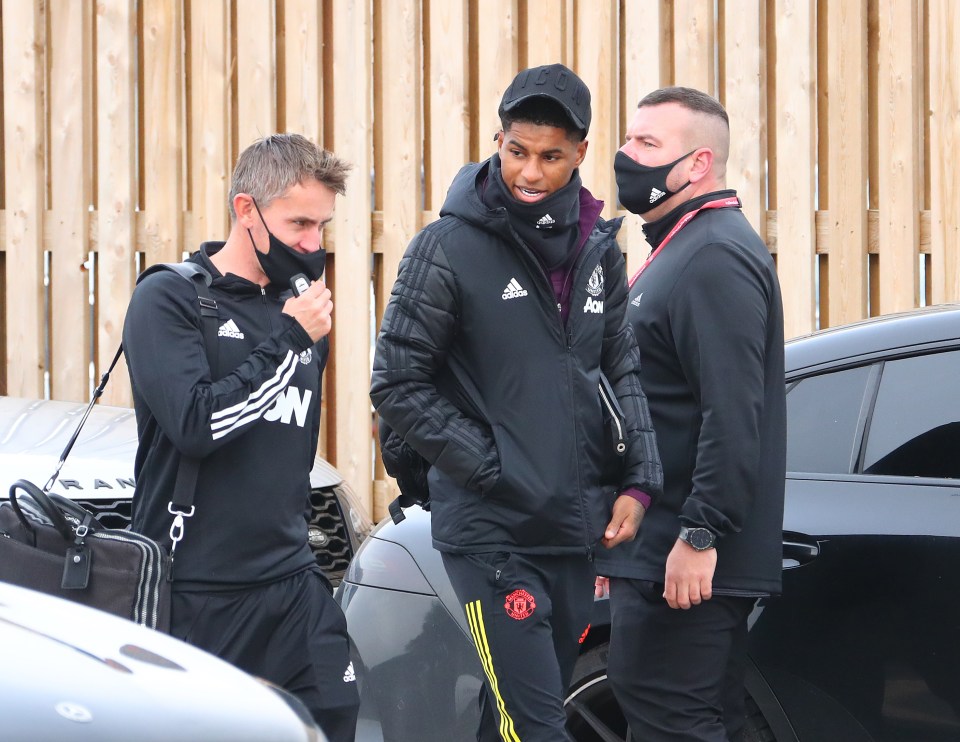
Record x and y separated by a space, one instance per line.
34 432
930 327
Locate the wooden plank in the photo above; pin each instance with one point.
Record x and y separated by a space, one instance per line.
71 193
694 27
846 119
643 70
23 165
899 165
302 65
116 184
256 71
742 93
496 64
795 155
398 128
163 133
351 447
211 152
596 64
944 45
447 138
545 34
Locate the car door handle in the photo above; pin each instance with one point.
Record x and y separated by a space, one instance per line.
798 550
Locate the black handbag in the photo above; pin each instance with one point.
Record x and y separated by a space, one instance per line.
51 544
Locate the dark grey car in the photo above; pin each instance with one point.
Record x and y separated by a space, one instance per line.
861 647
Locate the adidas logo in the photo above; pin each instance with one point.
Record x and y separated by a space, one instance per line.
513 290
636 302
350 676
656 194
545 222
229 329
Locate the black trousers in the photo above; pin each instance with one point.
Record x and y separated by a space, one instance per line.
290 632
678 675
527 615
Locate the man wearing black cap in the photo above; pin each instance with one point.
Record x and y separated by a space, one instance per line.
507 314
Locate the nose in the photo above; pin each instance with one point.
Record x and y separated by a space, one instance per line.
312 240
630 149
532 172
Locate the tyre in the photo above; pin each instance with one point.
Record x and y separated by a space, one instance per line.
593 714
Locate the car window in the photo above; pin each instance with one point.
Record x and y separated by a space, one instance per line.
915 430
822 415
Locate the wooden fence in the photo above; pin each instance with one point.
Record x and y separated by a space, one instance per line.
121 120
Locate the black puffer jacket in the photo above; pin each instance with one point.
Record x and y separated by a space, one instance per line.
475 371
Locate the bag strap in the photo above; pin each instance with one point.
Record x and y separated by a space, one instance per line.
41 500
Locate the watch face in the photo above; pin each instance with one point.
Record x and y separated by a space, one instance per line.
700 538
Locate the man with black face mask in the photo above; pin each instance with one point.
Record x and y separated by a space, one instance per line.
245 583
707 314
488 363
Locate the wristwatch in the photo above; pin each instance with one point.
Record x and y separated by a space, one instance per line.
700 539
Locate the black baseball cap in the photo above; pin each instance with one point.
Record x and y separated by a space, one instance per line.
553 81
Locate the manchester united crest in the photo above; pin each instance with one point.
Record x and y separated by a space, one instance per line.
595 282
519 605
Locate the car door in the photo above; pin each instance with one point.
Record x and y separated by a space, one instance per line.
863 642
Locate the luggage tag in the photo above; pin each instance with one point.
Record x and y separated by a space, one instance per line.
77 562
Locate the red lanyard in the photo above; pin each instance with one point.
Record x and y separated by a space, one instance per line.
723 203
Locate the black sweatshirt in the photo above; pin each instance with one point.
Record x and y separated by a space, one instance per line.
708 319
256 428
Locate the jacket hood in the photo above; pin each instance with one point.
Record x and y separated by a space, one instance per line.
464 202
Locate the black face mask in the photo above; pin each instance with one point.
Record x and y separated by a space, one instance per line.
641 187
283 262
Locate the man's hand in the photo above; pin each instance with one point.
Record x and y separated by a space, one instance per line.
623 526
601 587
312 309
689 575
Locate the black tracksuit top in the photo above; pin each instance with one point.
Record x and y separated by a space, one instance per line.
708 318
256 428
474 370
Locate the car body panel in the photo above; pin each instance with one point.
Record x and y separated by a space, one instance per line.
72 672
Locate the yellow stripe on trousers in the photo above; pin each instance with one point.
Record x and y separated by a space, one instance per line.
475 620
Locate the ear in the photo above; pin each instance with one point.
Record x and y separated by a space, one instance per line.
245 210
581 152
701 164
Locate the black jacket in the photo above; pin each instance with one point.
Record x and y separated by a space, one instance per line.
709 322
256 428
475 371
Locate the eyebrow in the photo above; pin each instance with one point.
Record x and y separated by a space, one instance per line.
514 143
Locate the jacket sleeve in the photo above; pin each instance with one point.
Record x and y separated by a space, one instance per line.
418 328
621 364
718 316
164 348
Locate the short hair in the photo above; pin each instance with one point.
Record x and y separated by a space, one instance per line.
689 98
542 111
270 166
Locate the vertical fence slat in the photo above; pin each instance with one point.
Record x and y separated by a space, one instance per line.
71 131
694 29
846 56
256 71
794 160
211 153
496 65
742 94
164 135
898 159
352 444
23 44
447 140
944 57
641 70
116 184
302 68
596 63
398 164
546 33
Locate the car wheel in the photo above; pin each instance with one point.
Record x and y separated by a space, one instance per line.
593 714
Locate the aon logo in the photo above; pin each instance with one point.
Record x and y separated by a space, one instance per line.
593 305
291 403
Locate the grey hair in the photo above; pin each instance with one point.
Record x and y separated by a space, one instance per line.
270 166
